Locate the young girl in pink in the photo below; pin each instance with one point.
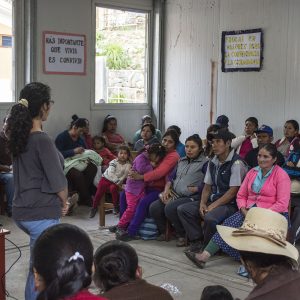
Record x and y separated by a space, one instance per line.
134 189
113 178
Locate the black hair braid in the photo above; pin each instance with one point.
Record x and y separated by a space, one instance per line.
69 280
19 124
113 270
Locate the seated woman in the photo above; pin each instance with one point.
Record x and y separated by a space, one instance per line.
62 264
146 120
184 187
291 136
70 143
266 186
245 143
109 132
148 137
180 147
271 261
119 276
155 181
86 135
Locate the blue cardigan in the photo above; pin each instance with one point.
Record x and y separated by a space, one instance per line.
66 145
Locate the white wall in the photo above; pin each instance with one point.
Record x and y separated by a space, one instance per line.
72 94
193 31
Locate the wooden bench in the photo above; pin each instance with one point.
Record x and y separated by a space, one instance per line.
103 206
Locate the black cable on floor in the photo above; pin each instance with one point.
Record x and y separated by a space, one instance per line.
3 277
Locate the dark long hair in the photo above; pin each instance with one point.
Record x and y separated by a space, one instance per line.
115 263
52 254
106 121
271 148
79 122
173 134
19 121
264 260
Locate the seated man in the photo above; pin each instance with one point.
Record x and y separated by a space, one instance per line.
223 178
264 135
6 176
146 120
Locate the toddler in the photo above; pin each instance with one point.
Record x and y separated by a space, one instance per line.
99 145
134 189
113 178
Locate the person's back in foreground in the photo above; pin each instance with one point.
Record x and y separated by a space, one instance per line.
119 276
62 263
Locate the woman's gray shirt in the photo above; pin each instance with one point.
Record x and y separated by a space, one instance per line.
38 177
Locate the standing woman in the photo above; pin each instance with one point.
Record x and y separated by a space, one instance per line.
40 197
109 132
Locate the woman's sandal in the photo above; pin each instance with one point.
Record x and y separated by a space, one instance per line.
192 257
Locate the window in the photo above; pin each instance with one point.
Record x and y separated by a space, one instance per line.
6 51
121 63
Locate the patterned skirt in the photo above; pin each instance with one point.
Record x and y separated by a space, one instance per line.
235 221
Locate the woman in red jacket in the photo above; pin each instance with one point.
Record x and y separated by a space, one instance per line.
155 181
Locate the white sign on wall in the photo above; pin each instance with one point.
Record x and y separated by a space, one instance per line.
242 50
64 53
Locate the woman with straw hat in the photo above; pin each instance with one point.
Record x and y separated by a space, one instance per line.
266 186
271 261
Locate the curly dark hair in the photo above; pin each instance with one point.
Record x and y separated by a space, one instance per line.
19 120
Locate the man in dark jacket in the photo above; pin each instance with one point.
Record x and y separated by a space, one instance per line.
223 178
264 136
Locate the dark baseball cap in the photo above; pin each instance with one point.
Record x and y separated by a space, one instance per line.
265 129
222 121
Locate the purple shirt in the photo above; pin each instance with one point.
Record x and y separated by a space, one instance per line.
142 165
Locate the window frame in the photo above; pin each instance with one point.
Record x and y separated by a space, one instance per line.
136 7
19 49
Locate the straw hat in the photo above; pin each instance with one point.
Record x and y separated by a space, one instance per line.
263 231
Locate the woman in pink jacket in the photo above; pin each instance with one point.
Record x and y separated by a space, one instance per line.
267 186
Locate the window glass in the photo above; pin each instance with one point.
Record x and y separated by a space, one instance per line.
6 51
121 64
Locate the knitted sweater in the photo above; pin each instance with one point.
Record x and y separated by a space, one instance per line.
117 172
274 195
158 175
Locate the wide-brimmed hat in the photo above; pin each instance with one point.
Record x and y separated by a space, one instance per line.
263 231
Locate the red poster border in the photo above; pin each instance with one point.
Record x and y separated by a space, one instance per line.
64 73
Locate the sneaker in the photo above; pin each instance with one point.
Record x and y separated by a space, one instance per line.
180 242
161 237
120 231
113 228
93 212
123 235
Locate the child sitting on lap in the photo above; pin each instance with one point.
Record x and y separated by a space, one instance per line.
134 189
113 178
